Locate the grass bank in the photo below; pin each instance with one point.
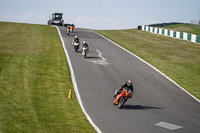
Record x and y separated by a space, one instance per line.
184 28
35 81
180 60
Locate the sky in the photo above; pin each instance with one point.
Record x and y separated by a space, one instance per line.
101 14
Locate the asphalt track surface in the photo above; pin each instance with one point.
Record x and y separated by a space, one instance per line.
157 106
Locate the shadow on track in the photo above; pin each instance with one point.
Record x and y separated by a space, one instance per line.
79 52
138 107
90 57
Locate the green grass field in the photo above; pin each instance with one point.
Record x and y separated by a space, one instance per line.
35 81
178 59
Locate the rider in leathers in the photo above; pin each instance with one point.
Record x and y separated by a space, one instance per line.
127 84
68 29
76 40
85 45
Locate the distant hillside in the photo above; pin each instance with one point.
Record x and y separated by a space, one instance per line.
164 24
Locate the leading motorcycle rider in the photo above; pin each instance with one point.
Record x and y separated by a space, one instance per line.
127 84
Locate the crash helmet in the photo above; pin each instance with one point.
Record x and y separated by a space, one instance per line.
76 36
129 82
84 42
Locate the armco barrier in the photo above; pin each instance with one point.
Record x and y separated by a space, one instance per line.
174 34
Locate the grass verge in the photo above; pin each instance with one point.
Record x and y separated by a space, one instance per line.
35 81
180 60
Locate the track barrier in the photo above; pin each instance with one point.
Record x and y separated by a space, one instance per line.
171 33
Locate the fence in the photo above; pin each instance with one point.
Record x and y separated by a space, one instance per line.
174 34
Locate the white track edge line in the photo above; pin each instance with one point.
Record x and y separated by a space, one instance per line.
151 67
75 84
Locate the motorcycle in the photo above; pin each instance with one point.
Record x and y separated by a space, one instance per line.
71 28
68 31
84 51
76 46
122 97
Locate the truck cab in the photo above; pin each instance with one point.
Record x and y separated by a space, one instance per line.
56 19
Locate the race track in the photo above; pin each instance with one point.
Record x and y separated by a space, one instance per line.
157 106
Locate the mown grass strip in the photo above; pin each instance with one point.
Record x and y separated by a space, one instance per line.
180 60
35 81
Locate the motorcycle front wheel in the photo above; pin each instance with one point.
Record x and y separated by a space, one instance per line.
121 102
85 54
76 48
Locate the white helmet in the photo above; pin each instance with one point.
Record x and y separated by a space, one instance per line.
129 82
84 42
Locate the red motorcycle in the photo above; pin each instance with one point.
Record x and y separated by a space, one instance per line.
122 97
